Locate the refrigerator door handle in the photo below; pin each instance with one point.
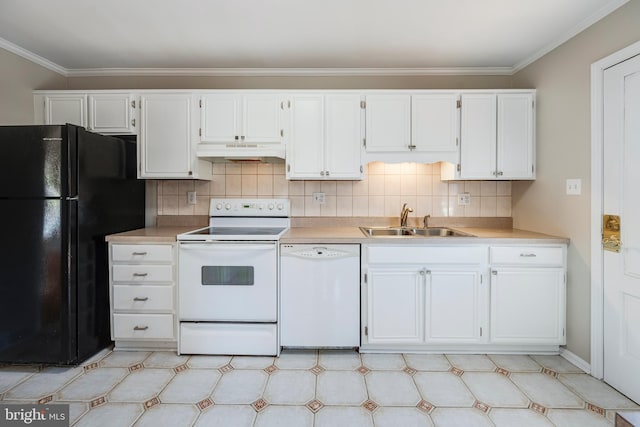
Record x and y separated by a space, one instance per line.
72 198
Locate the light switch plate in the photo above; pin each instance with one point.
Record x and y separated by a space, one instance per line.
191 197
574 187
318 197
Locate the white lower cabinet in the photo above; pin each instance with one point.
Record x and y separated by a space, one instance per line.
528 295
142 296
473 298
420 296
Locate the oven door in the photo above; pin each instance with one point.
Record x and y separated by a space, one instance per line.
227 281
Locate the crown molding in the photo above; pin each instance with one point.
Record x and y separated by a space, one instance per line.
14 48
589 21
288 72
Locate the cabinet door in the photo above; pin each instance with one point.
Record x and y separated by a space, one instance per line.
220 120
112 113
305 150
261 119
343 137
478 136
395 308
165 145
388 123
528 306
61 109
452 310
515 155
434 122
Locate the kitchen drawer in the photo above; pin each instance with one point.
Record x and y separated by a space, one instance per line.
142 273
527 255
251 339
143 297
142 253
413 254
143 326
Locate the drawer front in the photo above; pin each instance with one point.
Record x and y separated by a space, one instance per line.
143 298
143 326
142 253
142 273
252 339
413 254
527 255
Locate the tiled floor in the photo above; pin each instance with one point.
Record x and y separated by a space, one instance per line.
318 388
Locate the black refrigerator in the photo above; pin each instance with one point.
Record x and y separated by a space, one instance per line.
62 189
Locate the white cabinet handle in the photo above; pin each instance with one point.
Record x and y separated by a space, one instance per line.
528 255
140 328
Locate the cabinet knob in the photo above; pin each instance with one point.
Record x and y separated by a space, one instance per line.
236 137
133 122
140 328
326 173
321 173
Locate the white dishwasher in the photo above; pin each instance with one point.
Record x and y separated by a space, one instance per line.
320 296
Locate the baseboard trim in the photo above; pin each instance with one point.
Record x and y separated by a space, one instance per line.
573 358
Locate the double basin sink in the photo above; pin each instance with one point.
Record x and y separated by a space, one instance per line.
412 232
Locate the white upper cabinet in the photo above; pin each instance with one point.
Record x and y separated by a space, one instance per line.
412 127
497 137
250 118
167 140
434 122
324 137
65 108
388 123
113 113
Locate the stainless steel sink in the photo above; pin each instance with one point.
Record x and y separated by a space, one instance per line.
386 231
412 232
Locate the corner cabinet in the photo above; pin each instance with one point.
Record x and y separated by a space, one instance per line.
324 137
497 137
143 296
168 138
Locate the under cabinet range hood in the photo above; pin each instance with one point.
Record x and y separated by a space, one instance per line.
241 152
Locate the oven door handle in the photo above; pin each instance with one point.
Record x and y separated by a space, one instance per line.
210 246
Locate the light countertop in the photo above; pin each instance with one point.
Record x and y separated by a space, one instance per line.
353 235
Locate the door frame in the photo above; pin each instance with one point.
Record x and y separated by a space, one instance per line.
597 146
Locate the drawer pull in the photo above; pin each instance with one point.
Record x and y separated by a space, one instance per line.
140 274
141 299
140 328
528 255
139 253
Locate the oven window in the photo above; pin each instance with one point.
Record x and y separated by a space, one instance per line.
227 275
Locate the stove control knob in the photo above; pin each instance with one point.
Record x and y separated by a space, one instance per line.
270 206
219 206
280 206
227 206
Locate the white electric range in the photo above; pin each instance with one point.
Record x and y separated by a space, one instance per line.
228 279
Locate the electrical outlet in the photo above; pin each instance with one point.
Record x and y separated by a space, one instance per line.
464 199
318 197
574 187
191 197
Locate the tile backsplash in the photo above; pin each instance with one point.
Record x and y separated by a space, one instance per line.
381 194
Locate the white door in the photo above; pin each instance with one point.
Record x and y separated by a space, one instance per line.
388 123
261 119
112 113
220 122
343 137
434 122
395 308
478 136
620 197
515 136
61 109
452 306
305 150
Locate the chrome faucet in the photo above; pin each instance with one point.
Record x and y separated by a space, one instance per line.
425 221
404 213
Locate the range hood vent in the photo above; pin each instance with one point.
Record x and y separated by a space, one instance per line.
241 152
